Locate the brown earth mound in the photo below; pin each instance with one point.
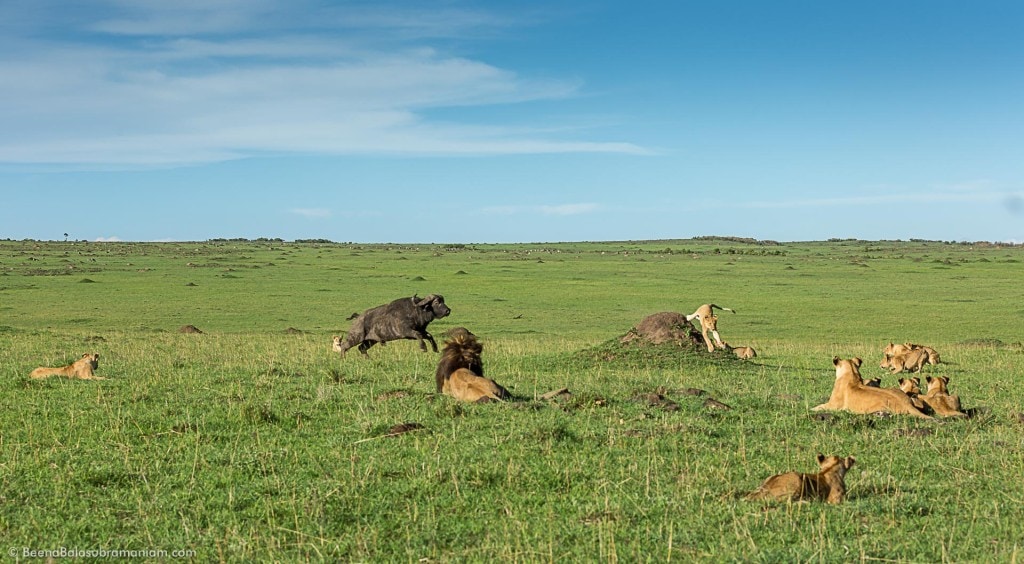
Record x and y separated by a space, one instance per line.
665 327
190 329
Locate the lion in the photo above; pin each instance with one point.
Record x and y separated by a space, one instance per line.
460 370
742 353
709 322
849 393
912 387
893 350
826 485
82 369
463 385
911 361
939 399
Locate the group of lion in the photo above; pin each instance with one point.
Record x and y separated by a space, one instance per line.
460 374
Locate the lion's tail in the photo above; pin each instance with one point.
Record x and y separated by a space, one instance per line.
713 306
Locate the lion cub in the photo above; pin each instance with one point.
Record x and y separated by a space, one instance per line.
939 399
827 485
82 369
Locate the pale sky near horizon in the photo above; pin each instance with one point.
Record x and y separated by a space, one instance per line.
470 121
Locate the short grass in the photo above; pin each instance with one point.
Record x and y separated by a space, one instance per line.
252 441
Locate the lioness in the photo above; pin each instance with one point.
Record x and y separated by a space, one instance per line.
827 485
849 393
709 322
82 369
938 398
911 361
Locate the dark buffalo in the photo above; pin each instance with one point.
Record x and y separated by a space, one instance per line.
404 318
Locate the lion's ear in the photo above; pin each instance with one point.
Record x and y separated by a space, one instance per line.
849 461
901 381
835 360
856 361
86 355
821 458
928 379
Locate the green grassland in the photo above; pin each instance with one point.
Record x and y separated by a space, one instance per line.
253 441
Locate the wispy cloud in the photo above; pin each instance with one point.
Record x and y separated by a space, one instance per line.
181 83
312 213
108 239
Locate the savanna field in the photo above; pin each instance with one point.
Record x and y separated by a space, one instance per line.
253 441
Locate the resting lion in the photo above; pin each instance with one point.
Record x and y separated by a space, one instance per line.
939 400
742 353
912 387
709 322
849 393
81 369
826 485
460 370
909 360
893 350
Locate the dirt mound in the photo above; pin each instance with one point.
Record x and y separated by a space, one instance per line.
665 327
190 329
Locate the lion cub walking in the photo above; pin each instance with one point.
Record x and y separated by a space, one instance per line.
82 369
827 485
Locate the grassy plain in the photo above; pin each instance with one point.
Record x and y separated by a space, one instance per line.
253 441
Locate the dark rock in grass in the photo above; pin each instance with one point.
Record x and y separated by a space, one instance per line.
293 331
712 403
191 284
86 281
694 392
404 428
190 329
657 400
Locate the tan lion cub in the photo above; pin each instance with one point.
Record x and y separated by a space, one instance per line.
939 399
827 485
82 369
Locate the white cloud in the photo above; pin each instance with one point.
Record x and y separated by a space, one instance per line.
108 239
291 85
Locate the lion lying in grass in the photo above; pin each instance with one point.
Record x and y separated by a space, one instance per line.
827 485
460 371
939 399
82 369
910 360
849 393
893 350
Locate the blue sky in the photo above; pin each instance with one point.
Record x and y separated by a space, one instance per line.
462 121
